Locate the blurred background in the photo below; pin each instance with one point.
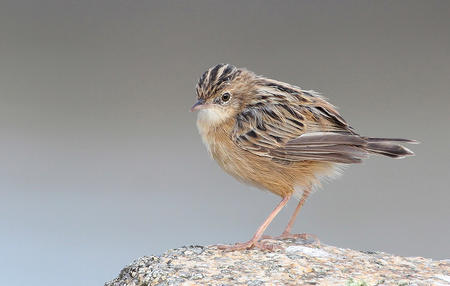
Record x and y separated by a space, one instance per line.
101 162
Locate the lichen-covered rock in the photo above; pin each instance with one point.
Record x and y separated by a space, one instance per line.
295 263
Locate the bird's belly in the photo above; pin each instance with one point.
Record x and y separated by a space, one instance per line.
253 170
266 174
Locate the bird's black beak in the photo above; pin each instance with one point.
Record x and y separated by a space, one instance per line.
198 105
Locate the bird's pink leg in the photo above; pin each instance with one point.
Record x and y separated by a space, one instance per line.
254 242
302 201
287 231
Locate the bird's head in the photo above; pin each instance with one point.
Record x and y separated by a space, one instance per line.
221 93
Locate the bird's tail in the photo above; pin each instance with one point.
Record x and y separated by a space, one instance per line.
389 147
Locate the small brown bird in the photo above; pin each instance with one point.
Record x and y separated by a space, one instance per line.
277 137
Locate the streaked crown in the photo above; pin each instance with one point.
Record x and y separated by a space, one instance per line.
215 79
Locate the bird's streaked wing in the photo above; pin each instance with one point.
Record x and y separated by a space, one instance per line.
293 125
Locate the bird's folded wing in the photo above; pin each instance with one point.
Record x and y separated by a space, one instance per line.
288 133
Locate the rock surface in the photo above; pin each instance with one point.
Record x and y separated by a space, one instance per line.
296 263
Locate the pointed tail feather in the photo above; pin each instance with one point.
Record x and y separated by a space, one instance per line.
389 147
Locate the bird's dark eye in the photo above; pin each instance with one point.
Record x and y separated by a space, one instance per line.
225 97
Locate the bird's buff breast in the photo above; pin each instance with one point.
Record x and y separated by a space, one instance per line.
215 134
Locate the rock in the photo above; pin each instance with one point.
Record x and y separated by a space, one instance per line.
295 263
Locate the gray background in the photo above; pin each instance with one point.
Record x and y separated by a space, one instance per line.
101 161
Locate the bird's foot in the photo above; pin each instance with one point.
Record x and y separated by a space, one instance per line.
309 238
265 246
